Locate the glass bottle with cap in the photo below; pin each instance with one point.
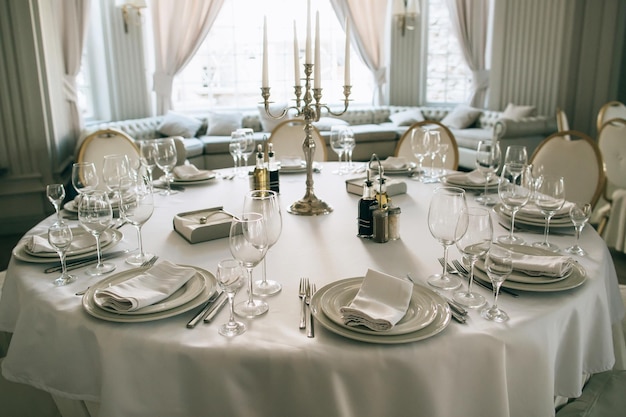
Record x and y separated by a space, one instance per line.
367 204
260 180
272 169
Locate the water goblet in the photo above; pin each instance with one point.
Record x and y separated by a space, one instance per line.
147 152
579 213
349 144
136 207
60 238
234 147
248 147
499 265
337 137
95 216
248 244
56 195
446 206
230 274
420 145
550 197
114 168
476 231
435 140
84 177
514 196
165 159
488 157
266 203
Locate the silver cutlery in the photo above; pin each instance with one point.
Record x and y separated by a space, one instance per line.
458 312
302 294
465 273
216 308
88 260
310 290
147 263
204 311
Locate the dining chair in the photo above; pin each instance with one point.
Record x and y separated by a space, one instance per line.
403 148
577 158
288 136
561 120
610 110
612 144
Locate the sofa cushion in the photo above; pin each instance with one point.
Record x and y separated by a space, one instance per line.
407 117
461 117
177 124
223 123
325 123
367 133
516 112
469 138
193 147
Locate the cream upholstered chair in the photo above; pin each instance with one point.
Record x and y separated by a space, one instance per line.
403 148
561 120
610 110
288 136
612 144
577 158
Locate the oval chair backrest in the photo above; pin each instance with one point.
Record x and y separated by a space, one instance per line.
577 158
610 110
287 139
403 148
612 144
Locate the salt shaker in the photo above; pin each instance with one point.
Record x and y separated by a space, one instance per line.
394 223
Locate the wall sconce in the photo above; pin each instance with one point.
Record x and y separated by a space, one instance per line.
129 6
405 13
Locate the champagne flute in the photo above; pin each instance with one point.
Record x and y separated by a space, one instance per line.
56 195
230 274
84 177
435 140
579 213
147 152
476 231
234 147
514 196
248 146
446 206
488 157
95 216
337 137
499 266
248 244
420 144
60 238
165 159
266 203
136 207
550 198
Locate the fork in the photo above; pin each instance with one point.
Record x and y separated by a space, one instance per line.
146 264
304 282
310 290
449 268
463 271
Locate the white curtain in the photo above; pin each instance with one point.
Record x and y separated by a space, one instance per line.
179 29
368 22
75 15
470 20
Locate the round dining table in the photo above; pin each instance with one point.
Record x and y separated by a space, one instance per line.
159 367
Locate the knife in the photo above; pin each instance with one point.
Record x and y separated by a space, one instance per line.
204 311
87 261
216 307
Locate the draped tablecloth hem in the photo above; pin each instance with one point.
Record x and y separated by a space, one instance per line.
44 387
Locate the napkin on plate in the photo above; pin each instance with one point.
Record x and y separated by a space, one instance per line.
546 265
531 209
394 162
380 303
475 177
147 288
190 172
40 244
292 162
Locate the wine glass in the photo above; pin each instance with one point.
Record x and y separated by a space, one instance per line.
514 196
499 265
247 146
234 147
248 244
147 154
230 274
95 216
474 232
579 213
420 145
136 207
84 177
337 137
435 140
488 157
550 197
165 159
446 206
114 168
56 195
266 203
60 238
516 157
349 144
442 154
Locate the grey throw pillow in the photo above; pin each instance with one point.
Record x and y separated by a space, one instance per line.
223 124
461 117
407 117
177 124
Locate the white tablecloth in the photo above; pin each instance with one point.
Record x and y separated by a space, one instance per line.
161 368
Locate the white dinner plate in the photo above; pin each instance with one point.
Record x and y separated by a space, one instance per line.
71 207
190 290
440 322
83 235
400 171
90 306
460 180
113 237
420 313
532 221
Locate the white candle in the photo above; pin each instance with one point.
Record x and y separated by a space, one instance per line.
265 82
347 57
296 55
307 57
317 78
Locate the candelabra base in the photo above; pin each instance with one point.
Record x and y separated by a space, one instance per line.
310 206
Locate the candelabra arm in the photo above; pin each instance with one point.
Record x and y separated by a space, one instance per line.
346 102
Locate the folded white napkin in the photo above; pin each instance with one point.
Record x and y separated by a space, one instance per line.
191 172
475 177
531 209
550 266
40 244
150 287
380 303
291 162
394 162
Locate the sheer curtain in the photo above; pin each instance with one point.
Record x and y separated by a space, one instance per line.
179 29
75 15
368 20
470 20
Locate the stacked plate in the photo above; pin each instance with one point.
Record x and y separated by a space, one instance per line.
195 292
465 181
427 314
179 181
530 215
406 169
87 247
574 274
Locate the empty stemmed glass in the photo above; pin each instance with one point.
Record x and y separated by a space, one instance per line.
165 159
234 147
337 137
514 195
84 177
549 197
579 213
248 244
476 231
147 153
420 145
433 146
516 157
349 144
499 265
446 206
230 274
95 216
248 146
266 203
136 207
56 195
60 238
488 157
